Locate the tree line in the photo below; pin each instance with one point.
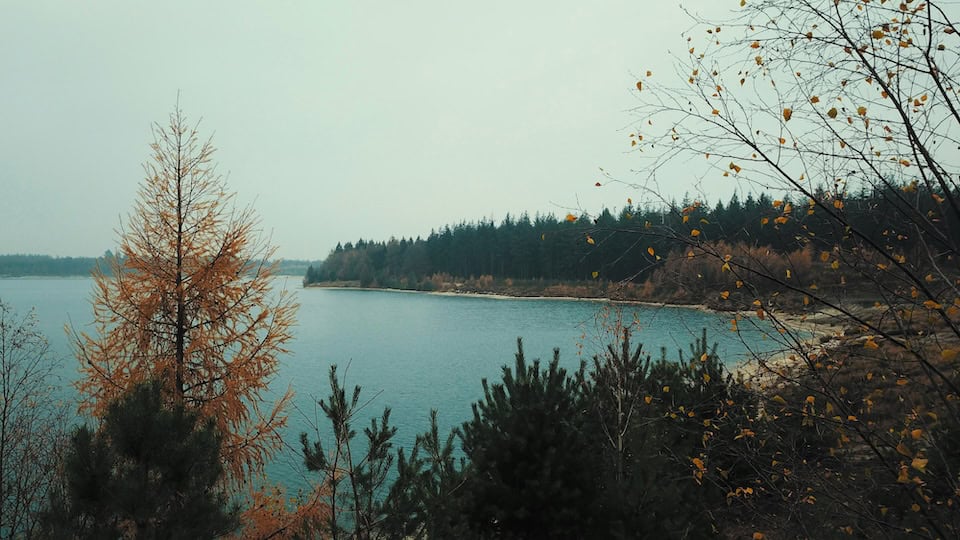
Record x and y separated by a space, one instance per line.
629 246
47 265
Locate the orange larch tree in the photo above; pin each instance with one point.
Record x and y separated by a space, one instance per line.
188 301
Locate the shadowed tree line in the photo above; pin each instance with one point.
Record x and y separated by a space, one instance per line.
629 246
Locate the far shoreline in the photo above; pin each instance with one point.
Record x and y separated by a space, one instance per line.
504 296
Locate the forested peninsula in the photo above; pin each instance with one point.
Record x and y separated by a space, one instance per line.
686 252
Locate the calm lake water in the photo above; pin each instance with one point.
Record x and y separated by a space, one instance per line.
411 352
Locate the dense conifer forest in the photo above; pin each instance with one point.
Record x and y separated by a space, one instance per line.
626 246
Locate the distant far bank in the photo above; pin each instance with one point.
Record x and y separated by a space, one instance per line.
50 266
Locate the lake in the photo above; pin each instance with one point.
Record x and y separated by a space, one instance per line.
409 351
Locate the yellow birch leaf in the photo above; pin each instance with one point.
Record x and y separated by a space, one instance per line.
948 355
832 113
590 240
904 476
595 274
725 295
919 464
650 251
787 113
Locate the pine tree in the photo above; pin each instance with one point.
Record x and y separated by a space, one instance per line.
151 471
530 473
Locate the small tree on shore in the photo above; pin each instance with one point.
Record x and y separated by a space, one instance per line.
32 423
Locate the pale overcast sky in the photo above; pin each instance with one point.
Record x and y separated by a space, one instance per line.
336 120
